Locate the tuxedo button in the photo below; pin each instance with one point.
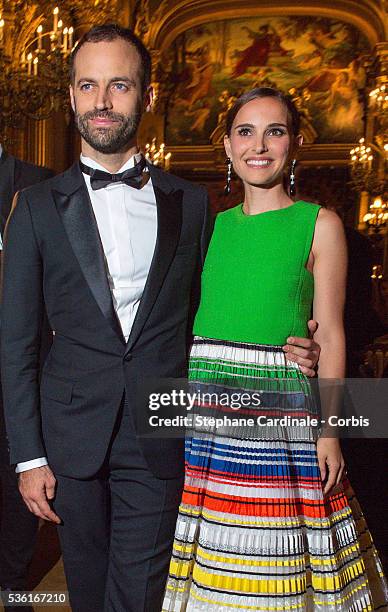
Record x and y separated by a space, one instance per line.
128 357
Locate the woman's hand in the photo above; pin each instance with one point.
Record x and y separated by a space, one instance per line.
331 462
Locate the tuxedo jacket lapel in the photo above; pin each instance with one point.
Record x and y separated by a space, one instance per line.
169 220
74 207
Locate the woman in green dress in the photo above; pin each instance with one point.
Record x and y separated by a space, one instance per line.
268 520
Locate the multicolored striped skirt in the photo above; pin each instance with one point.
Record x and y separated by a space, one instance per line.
255 531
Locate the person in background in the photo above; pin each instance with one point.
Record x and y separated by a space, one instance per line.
18 527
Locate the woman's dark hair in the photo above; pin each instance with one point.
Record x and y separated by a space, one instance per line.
264 92
108 33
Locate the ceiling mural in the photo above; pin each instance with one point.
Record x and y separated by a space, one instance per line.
318 59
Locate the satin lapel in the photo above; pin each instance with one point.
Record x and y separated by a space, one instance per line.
169 219
81 228
7 181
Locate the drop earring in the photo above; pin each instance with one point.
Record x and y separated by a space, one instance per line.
292 178
228 186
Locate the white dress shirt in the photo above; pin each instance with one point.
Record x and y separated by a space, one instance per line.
127 223
126 220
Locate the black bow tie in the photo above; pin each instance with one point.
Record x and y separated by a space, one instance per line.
99 179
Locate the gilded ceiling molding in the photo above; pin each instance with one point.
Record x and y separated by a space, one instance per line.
366 15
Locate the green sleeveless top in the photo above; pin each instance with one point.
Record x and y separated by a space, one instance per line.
255 287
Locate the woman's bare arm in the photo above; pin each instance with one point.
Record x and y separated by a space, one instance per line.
329 268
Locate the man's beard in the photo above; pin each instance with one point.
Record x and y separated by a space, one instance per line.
109 139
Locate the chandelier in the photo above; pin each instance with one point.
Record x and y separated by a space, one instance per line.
377 272
369 177
369 159
36 40
157 155
379 97
377 215
363 169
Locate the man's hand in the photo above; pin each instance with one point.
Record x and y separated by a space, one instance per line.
304 351
37 486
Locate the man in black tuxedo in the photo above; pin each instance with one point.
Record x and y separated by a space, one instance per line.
113 249
18 527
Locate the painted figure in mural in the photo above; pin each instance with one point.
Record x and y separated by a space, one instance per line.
321 36
194 81
357 73
203 70
312 61
264 42
227 100
199 116
337 91
347 80
258 51
341 92
276 46
321 82
343 102
268 519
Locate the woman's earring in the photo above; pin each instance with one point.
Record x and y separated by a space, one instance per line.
292 178
228 186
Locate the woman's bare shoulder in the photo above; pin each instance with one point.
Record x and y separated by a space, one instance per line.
329 231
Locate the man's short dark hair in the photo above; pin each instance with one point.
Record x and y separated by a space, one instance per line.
107 33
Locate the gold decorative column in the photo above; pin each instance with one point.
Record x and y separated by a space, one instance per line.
376 128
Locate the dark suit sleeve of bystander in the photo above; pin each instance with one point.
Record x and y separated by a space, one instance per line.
27 174
22 309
